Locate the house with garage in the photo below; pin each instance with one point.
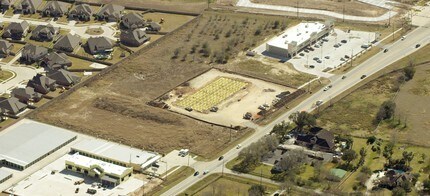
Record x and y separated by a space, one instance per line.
110 13
27 94
11 106
134 38
67 43
132 20
81 12
55 61
32 53
5 5
16 30
44 33
55 9
5 48
28 6
99 45
42 84
63 77
317 139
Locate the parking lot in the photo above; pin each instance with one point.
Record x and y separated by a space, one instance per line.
332 51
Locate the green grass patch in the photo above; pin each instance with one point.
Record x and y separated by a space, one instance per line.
4 75
172 179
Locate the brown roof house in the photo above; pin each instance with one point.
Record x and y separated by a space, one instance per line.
55 8
110 13
26 94
5 4
394 178
11 105
42 84
67 43
318 139
54 61
44 33
32 53
132 20
82 12
28 6
63 77
98 45
16 30
5 48
134 37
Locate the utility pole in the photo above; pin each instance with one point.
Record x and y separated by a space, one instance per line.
352 53
297 8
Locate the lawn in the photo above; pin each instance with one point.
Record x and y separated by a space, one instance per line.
172 179
4 75
78 63
16 47
261 170
227 184
171 21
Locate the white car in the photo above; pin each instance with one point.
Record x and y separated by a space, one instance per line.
238 146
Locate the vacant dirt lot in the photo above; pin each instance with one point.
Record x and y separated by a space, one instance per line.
340 6
114 106
192 6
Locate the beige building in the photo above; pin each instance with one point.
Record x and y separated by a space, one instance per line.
109 174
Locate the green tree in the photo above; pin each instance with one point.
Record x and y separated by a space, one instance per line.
349 155
388 151
408 157
371 139
256 190
302 119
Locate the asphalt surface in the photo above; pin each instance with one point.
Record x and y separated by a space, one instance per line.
397 50
249 4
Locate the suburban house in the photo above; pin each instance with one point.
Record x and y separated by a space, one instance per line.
5 4
28 6
11 105
26 94
55 8
16 30
54 61
134 37
97 45
82 12
63 77
110 13
67 43
31 53
132 20
42 84
317 139
394 178
44 33
5 48
153 26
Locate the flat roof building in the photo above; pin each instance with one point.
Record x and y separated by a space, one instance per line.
109 174
4 175
27 142
117 154
296 38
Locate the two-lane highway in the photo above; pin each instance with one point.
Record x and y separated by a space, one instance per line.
397 50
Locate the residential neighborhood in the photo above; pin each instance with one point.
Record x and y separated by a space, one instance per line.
238 97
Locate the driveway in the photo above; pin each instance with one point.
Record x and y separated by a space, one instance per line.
108 30
22 73
249 4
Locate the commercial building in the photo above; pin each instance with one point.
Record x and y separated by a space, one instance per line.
297 38
4 175
117 154
109 174
27 142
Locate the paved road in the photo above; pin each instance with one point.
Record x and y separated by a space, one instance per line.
22 73
249 4
396 51
108 30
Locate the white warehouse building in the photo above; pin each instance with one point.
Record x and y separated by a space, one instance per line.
297 38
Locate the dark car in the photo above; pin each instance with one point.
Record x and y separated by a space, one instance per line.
343 41
363 76
385 50
196 173
343 77
417 46
220 158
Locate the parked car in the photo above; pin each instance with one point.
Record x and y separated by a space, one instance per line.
311 66
363 76
306 50
315 58
319 61
302 54
91 191
327 57
343 41
77 190
346 56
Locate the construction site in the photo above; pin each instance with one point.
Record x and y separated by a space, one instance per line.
224 98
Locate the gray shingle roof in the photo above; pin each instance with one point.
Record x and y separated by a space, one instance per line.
64 77
134 37
68 42
111 10
132 20
82 9
5 47
96 44
11 105
56 6
33 52
56 60
44 32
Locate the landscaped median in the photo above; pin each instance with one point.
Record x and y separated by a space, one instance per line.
227 184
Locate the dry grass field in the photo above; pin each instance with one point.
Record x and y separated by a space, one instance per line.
192 6
114 106
355 8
